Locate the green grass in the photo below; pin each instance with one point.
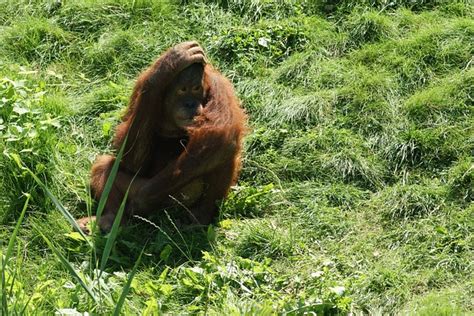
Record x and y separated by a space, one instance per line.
356 193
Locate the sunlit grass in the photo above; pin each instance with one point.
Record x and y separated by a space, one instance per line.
356 193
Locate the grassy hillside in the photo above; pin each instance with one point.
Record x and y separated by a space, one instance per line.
357 188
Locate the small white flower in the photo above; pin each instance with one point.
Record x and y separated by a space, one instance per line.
339 290
317 274
70 312
262 41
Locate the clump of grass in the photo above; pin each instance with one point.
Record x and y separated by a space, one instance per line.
418 58
442 241
88 21
12 10
429 148
446 101
257 95
410 22
347 6
119 52
186 288
442 302
108 97
302 110
264 240
254 10
385 278
402 202
314 67
322 222
367 100
310 71
338 153
266 43
36 40
457 8
367 27
355 167
263 139
199 20
344 196
249 201
294 70
248 307
461 180
323 154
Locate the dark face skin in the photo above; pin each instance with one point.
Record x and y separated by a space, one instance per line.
185 98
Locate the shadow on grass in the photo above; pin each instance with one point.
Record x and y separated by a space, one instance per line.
166 240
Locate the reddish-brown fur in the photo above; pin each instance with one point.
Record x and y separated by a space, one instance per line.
205 156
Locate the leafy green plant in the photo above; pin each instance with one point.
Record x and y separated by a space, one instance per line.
25 130
268 44
248 201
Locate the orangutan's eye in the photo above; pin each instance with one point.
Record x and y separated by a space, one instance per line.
196 88
182 90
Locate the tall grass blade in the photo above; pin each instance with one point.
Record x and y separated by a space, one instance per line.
165 234
110 182
113 233
126 287
56 202
4 296
22 312
68 266
5 259
17 228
